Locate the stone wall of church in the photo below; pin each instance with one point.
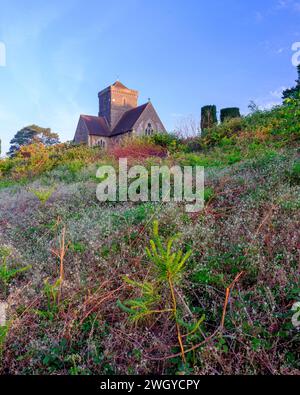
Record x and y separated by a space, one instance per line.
149 116
81 134
114 102
104 104
100 141
106 142
121 101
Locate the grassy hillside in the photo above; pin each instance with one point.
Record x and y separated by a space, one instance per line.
94 301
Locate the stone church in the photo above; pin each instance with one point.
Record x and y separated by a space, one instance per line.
119 115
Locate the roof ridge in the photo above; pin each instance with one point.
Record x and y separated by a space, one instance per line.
128 120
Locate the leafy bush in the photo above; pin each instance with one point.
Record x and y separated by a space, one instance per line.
169 141
35 159
193 144
225 132
7 273
169 267
295 173
279 125
43 194
136 148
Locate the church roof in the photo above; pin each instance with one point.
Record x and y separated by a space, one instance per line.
128 120
117 85
96 126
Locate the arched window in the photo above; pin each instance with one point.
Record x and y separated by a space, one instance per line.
101 143
149 130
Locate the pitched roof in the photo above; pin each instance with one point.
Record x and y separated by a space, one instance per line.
128 120
96 126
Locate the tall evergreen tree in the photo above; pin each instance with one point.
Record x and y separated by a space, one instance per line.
208 117
32 134
229 113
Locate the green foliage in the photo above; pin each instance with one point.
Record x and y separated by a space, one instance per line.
193 144
224 133
43 194
295 173
209 193
168 264
206 276
5 166
7 274
293 93
35 159
51 291
208 117
3 335
78 247
229 113
143 306
32 134
279 125
223 239
167 140
168 267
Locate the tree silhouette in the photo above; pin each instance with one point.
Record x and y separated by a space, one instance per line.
32 134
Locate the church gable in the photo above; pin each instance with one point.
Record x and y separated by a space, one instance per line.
148 122
82 133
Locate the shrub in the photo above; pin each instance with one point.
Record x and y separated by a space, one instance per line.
5 166
193 144
223 133
7 273
35 159
43 194
295 173
31 160
136 148
158 296
169 141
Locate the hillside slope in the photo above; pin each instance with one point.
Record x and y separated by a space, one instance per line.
84 294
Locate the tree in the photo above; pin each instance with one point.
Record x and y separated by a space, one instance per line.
32 134
292 93
187 127
253 107
229 113
208 117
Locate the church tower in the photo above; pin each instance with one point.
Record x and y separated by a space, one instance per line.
114 101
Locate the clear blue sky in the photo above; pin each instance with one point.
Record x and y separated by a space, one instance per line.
181 53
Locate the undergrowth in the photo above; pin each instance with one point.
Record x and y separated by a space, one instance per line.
205 293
